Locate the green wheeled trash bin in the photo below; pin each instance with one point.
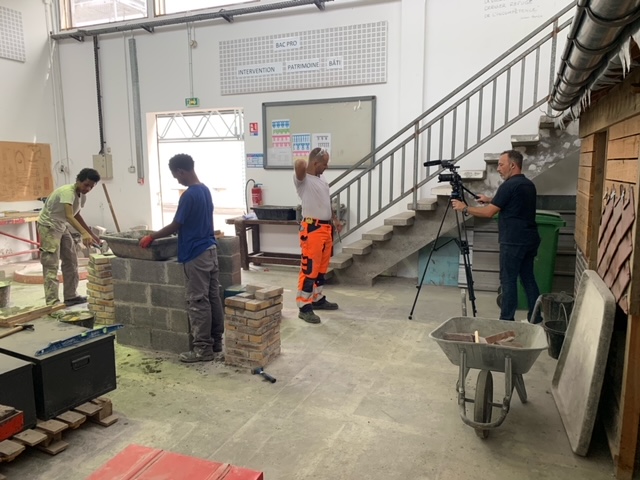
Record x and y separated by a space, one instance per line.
549 224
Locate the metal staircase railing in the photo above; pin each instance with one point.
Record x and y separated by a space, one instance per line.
513 85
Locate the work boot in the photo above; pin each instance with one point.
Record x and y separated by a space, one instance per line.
75 301
194 356
324 304
217 345
308 316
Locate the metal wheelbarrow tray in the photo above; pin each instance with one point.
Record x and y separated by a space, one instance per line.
514 362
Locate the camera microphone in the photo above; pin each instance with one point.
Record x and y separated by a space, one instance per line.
432 163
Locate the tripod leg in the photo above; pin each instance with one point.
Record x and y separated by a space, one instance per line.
463 244
424 272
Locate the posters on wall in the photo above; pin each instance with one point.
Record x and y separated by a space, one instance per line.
287 147
255 160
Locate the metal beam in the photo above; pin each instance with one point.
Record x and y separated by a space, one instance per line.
150 25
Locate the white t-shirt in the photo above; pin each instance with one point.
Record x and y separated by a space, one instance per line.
52 214
315 196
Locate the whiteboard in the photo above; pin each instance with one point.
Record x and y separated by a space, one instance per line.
343 126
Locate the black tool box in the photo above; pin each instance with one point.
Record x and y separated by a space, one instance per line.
68 377
16 387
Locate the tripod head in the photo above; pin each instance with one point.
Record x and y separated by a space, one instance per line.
454 178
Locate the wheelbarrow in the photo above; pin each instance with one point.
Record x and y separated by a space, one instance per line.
513 361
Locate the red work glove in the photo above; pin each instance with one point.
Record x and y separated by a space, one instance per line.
146 241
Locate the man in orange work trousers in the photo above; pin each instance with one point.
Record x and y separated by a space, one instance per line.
316 230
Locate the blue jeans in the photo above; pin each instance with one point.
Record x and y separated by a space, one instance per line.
517 260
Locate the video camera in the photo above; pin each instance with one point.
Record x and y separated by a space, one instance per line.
454 178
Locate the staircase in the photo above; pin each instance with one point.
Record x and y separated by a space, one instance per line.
381 233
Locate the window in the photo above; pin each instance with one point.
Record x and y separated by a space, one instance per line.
83 13
167 7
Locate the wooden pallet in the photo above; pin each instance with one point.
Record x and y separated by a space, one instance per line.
47 435
29 315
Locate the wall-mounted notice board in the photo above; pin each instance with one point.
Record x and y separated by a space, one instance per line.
343 126
25 171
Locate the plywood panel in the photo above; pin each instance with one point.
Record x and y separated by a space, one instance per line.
585 173
622 170
586 144
626 128
626 147
25 171
586 159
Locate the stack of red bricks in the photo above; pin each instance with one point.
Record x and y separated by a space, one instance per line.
100 289
252 326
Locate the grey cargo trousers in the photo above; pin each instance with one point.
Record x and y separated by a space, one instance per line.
204 305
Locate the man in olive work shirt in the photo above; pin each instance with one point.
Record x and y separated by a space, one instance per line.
517 232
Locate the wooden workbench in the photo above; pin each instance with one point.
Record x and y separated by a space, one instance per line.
257 256
20 218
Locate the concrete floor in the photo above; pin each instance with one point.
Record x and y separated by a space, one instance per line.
364 395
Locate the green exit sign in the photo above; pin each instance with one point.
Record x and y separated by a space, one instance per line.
192 102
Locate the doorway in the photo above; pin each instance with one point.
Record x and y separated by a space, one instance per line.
215 140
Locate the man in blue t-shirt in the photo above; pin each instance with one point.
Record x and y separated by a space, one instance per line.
517 232
197 251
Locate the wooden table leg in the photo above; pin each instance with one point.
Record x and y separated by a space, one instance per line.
255 238
241 233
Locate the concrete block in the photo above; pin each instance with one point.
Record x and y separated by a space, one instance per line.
175 273
120 269
123 314
228 279
127 292
269 292
134 336
147 271
228 246
178 321
166 341
150 317
229 263
168 296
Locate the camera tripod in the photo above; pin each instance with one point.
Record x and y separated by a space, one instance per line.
461 241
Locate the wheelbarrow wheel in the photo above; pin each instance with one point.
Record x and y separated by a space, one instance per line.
482 404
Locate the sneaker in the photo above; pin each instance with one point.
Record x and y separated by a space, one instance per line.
324 304
193 357
309 316
75 301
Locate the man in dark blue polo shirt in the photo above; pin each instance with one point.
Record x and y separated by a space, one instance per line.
517 232
193 223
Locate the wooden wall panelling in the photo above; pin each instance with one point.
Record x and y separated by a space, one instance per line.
620 103
626 147
626 128
586 143
595 193
622 171
630 396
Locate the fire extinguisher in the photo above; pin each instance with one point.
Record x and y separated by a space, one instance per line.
256 195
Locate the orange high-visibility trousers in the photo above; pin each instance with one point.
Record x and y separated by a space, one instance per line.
316 242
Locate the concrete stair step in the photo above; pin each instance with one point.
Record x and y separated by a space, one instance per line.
491 158
473 174
361 247
524 140
442 190
546 122
424 204
379 234
340 261
403 219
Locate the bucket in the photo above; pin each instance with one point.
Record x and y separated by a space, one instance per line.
556 307
555 335
82 318
5 294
